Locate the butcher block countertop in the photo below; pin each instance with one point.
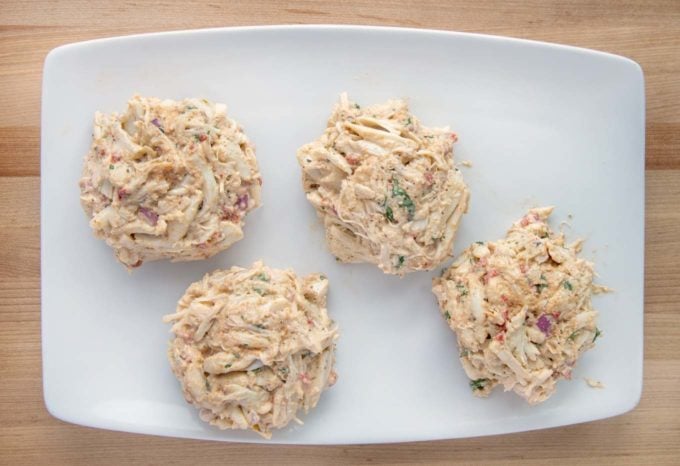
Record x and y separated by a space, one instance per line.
645 31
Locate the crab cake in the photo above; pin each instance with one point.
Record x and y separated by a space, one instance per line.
521 309
253 346
169 180
385 187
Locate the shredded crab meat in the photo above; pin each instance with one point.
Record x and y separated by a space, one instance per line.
385 187
253 346
521 308
169 180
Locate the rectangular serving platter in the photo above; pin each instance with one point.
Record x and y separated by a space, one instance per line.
542 124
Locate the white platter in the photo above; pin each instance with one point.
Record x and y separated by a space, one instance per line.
542 124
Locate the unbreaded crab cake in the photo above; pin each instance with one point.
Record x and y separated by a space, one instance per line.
521 309
253 346
385 187
169 180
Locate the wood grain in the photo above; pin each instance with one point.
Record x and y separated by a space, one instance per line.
646 31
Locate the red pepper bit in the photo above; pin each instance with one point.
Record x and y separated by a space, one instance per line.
352 159
230 215
429 178
122 193
202 137
304 378
489 275
137 264
556 315
500 337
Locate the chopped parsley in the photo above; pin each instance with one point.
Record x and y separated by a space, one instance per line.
478 384
112 166
262 277
389 214
481 243
572 337
227 366
462 289
541 286
357 106
408 121
259 291
447 314
567 285
257 369
400 261
464 352
260 326
598 333
406 200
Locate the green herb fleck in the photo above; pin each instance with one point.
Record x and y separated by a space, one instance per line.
259 291
567 285
598 333
357 106
406 201
572 337
227 366
260 326
464 352
408 121
481 243
112 166
257 369
541 286
389 214
262 276
400 261
462 289
447 314
478 384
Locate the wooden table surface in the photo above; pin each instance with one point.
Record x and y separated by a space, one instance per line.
646 31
